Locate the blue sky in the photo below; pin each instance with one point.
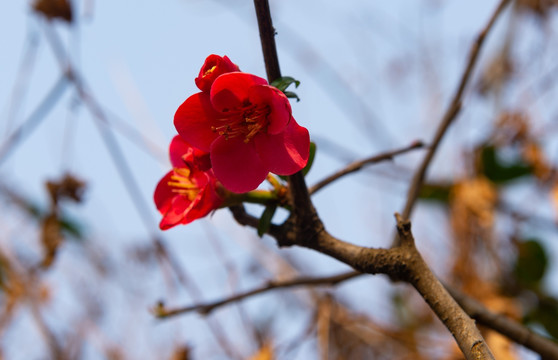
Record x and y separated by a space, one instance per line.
362 67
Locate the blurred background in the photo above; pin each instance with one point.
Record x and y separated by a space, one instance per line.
83 264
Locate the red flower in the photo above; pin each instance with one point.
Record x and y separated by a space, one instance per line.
213 67
189 191
247 127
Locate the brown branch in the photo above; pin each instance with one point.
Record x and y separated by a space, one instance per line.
304 228
516 332
400 263
500 323
357 165
405 263
267 38
451 112
126 174
303 209
461 326
31 123
505 326
205 309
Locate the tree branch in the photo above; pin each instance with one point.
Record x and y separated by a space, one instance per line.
461 326
400 263
450 114
500 323
206 308
304 228
304 213
357 165
125 172
267 38
505 326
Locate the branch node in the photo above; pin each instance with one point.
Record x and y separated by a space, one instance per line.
403 225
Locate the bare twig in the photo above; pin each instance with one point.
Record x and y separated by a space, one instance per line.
400 263
357 165
451 112
267 38
271 285
27 127
303 209
500 323
457 321
304 228
21 85
128 179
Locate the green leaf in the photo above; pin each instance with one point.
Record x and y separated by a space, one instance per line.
531 263
498 171
284 82
72 227
291 95
265 219
548 316
311 156
545 313
437 192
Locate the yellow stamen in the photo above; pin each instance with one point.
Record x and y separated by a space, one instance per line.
183 184
247 122
210 70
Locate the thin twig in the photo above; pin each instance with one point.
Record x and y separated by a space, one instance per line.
267 38
40 113
304 228
303 209
456 320
450 114
126 174
500 323
271 285
403 263
21 85
357 165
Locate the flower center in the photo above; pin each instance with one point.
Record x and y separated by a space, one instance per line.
210 70
246 122
182 183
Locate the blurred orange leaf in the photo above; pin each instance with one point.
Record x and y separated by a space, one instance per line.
54 9
264 353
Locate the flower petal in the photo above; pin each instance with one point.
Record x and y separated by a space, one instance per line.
177 148
237 165
213 66
179 208
230 91
163 194
280 108
193 121
287 152
171 205
206 202
175 215
183 154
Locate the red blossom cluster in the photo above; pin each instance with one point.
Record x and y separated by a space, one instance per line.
232 134
190 190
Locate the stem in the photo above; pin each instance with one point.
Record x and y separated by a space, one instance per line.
263 197
461 326
451 112
300 198
267 38
304 227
